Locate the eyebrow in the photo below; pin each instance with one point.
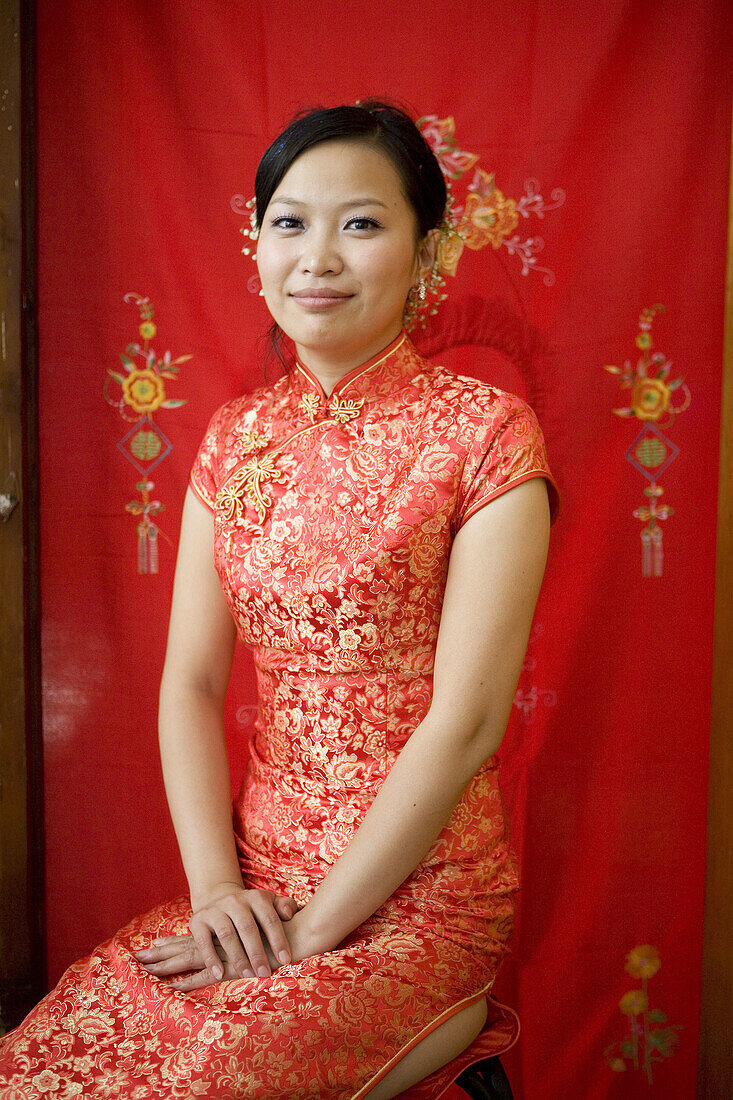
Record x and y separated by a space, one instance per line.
344 205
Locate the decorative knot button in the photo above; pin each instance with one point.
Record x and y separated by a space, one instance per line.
339 409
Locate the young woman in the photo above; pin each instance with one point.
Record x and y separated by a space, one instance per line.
375 527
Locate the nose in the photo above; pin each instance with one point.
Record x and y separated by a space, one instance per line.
320 255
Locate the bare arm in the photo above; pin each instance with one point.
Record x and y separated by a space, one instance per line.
198 662
196 672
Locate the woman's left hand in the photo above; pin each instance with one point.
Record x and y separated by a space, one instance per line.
175 955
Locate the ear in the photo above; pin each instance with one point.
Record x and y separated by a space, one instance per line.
426 251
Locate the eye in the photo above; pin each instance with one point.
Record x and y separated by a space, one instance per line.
363 225
287 221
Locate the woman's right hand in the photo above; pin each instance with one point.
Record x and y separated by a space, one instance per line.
246 923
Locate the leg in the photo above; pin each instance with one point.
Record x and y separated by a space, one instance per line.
441 1046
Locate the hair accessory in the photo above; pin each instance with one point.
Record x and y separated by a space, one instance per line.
253 232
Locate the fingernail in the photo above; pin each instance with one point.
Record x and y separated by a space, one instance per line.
158 940
247 973
284 956
217 972
263 971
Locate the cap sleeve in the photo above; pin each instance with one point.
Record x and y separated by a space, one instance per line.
503 455
204 473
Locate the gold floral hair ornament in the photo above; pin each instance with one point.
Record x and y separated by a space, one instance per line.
477 213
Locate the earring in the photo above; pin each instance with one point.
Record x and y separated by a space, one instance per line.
416 307
416 302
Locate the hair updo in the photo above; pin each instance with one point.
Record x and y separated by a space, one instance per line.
387 127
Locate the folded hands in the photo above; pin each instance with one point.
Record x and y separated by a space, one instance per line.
235 933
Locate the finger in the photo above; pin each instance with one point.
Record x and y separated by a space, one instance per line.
251 937
176 965
207 952
231 930
166 951
271 925
193 981
286 907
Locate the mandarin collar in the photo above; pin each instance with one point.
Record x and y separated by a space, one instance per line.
378 376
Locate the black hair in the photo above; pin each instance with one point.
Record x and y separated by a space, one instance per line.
385 126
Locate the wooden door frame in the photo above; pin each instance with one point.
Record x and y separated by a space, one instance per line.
22 926
715 1063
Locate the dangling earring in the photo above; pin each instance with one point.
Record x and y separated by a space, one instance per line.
416 302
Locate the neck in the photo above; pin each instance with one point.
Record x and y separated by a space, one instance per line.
330 365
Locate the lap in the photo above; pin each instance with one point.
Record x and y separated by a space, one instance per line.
325 1027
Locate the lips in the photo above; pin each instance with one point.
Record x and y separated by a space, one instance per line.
321 292
320 299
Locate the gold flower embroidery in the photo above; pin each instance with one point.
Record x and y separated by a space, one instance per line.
143 390
247 479
634 1002
252 440
650 398
643 961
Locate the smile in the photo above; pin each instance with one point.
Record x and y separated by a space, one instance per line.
319 298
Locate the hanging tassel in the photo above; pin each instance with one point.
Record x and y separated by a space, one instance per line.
153 537
657 551
142 549
646 553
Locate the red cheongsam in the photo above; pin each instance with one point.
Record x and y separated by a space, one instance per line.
333 523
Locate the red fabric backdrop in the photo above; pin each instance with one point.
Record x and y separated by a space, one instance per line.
607 125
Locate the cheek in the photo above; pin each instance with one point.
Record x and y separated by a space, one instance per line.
389 269
271 266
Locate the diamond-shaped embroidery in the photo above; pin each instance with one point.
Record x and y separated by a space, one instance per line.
651 452
145 445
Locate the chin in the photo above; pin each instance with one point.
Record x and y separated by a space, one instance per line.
326 332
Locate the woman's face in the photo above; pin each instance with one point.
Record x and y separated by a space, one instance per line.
337 252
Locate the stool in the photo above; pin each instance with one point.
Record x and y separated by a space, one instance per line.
485 1081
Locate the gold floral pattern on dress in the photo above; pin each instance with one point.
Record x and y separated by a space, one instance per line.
248 479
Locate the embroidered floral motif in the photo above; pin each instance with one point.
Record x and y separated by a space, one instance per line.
251 441
145 445
645 1043
484 215
652 397
248 479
